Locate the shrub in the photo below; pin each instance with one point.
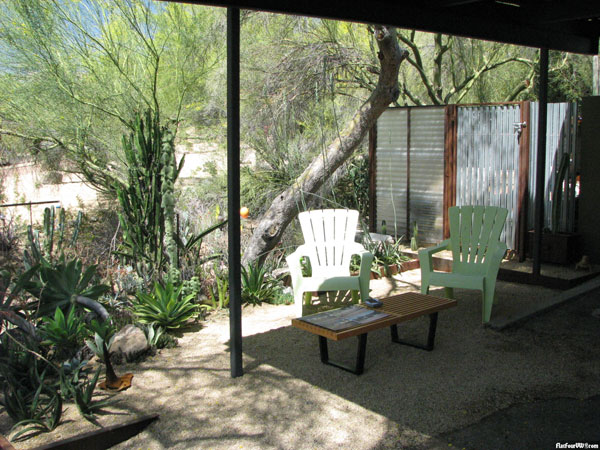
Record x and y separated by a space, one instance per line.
165 306
83 393
64 333
28 398
219 293
38 413
60 284
258 285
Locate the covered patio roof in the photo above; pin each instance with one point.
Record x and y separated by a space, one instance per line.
571 26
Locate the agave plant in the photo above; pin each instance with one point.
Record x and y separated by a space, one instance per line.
65 333
104 334
83 395
33 412
65 283
10 290
257 285
165 306
72 373
219 294
153 334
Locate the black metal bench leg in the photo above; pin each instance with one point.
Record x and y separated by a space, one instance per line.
360 355
430 337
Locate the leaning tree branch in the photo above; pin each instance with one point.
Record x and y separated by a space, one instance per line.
286 205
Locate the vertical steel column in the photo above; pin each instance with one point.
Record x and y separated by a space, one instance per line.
540 169
233 190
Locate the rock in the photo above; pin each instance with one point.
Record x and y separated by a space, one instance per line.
596 313
129 342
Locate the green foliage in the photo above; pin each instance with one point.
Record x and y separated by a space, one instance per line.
11 287
306 266
64 333
219 293
95 62
157 338
53 241
104 333
384 253
282 298
570 77
165 306
83 395
71 375
192 287
9 238
18 366
352 190
191 257
143 198
39 413
258 285
28 398
445 69
414 239
153 334
61 284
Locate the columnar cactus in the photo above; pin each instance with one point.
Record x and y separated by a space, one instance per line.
169 174
148 200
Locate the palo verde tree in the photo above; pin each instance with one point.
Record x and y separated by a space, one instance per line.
304 79
285 205
446 69
74 72
98 63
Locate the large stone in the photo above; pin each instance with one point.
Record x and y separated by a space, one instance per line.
129 342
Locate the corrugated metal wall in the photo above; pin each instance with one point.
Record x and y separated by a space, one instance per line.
427 172
487 158
487 165
414 135
391 191
561 138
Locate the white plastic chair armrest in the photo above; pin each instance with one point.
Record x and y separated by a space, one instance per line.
293 261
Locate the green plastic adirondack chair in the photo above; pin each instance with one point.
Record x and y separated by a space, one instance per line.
329 245
476 253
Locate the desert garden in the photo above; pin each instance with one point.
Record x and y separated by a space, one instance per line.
114 311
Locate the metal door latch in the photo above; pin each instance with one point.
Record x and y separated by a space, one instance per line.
518 127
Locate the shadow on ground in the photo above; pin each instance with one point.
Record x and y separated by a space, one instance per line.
463 391
537 425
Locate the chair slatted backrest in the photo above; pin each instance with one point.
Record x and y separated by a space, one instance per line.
326 231
474 233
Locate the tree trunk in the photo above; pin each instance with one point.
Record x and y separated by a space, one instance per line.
285 206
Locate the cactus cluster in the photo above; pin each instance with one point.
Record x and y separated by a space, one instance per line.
52 242
147 202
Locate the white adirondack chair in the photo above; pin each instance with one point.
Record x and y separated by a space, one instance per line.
329 245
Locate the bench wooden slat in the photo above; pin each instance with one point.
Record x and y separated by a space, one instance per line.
401 308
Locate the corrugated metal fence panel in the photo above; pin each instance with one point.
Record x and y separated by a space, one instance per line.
391 165
561 137
427 172
488 159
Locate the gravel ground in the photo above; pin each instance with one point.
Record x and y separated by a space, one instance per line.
287 399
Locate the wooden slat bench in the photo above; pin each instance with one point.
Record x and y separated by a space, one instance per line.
400 308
